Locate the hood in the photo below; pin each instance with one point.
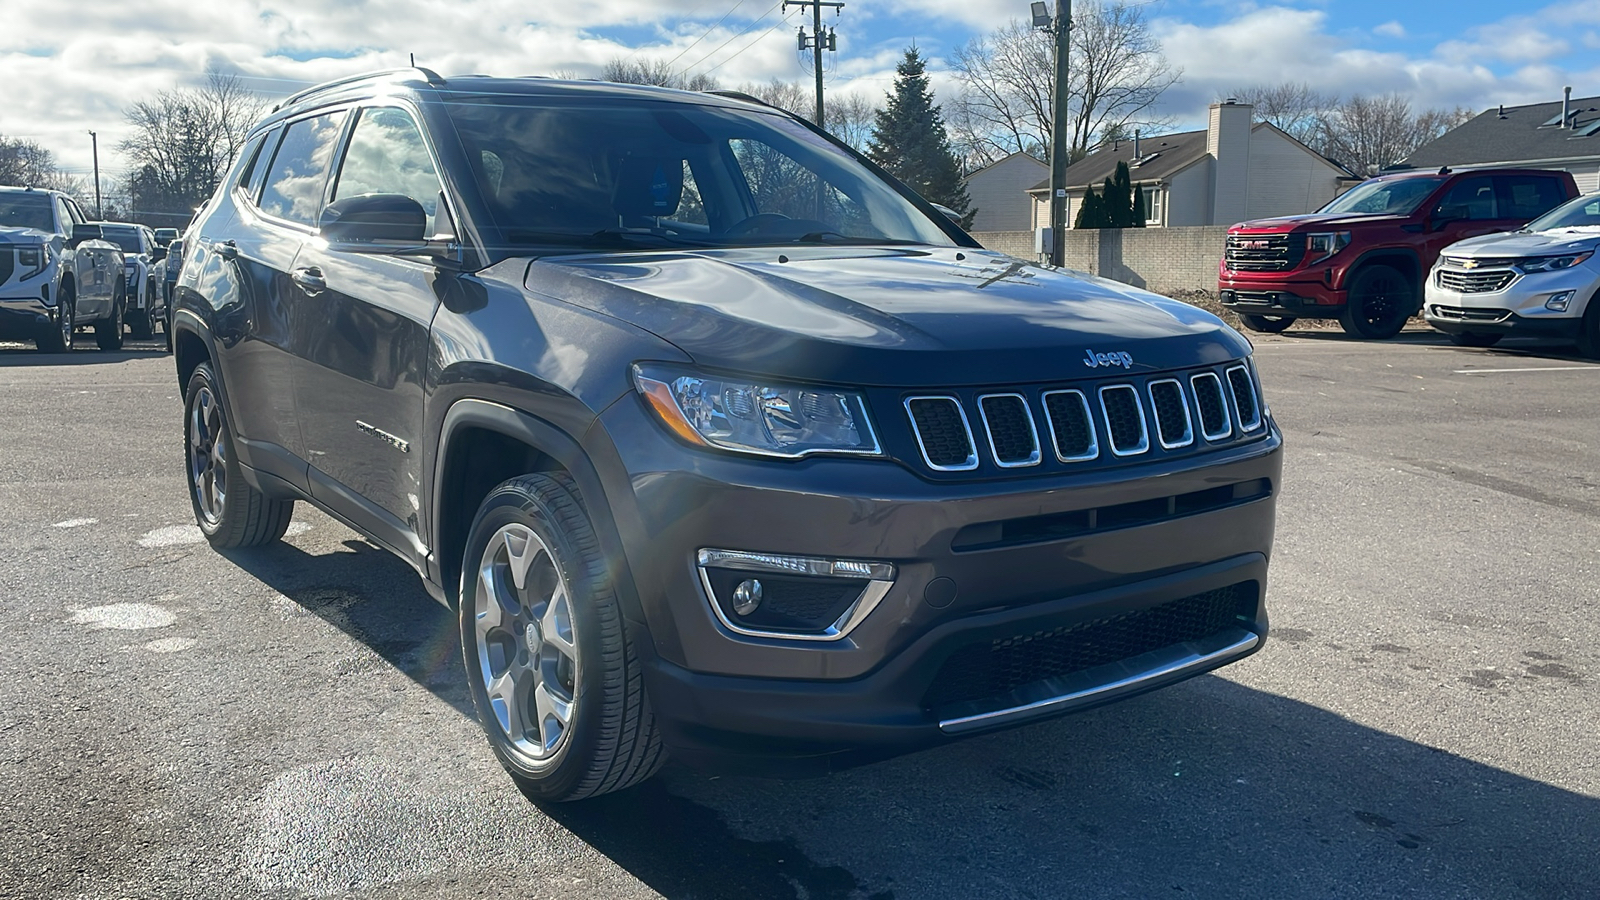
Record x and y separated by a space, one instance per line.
888 317
24 236
1318 222
1520 243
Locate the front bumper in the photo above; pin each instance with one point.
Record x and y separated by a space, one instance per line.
25 318
1302 299
1518 308
868 694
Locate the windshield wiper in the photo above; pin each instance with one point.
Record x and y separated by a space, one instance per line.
834 237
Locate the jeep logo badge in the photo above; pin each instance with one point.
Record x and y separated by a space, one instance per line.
1114 358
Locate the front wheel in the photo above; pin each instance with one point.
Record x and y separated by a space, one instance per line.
59 338
228 510
1266 324
1476 339
142 322
108 331
554 678
1381 300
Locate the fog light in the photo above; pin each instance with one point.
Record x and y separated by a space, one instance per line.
1558 302
747 597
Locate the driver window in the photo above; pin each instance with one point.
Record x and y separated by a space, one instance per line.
64 213
388 156
1474 197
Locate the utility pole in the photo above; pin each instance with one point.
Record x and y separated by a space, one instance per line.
1061 28
817 41
94 141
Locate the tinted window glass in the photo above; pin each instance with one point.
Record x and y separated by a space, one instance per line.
387 155
1584 212
124 236
1397 196
253 161
258 171
20 209
1471 198
1530 196
299 171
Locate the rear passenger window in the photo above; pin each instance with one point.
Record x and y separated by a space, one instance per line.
258 168
387 155
299 171
251 160
1473 198
1530 196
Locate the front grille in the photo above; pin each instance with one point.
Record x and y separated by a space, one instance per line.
1214 423
1475 282
1245 409
1173 427
943 433
1480 262
994 668
1125 428
1071 429
1264 252
1470 315
1012 438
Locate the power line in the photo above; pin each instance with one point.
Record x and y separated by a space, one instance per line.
748 28
775 26
707 32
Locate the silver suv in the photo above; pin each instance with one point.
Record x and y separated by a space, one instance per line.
1536 281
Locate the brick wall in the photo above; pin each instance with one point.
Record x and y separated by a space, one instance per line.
1163 260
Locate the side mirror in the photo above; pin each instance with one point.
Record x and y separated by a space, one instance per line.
82 232
949 213
374 217
158 254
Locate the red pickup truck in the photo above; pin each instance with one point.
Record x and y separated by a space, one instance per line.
1363 257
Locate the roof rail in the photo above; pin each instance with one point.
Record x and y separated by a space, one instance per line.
741 95
429 75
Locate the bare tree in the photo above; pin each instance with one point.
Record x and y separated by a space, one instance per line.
24 163
1293 106
183 141
850 116
654 71
1367 134
1116 74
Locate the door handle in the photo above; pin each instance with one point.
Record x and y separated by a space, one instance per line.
228 250
310 279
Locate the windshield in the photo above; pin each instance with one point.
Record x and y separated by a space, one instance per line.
653 175
1583 212
26 210
1380 196
124 237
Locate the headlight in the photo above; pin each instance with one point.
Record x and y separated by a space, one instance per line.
1552 263
31 261
1325 244
756 415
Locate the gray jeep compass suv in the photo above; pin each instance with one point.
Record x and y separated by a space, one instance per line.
724 443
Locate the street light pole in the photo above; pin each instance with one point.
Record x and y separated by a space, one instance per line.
1062 29
94 140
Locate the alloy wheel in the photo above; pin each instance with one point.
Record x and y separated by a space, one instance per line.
526 648
208 456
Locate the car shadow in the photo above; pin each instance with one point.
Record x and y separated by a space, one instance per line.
84 354
1208 788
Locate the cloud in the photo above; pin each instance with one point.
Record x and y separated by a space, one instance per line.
1390 29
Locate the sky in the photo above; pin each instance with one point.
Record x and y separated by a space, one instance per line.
68 74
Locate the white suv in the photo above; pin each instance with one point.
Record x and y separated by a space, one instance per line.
1536 281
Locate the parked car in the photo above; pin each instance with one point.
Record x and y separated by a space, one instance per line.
721 442
144 267
1540 280
56 272
165 236
1363 257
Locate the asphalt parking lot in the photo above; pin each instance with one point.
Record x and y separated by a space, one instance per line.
294 722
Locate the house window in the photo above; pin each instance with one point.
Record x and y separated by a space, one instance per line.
1152 206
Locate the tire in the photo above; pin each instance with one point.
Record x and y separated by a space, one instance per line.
1381 300
142 321
229 511
1589 336
535 524
1266 324
108 331
1476 339
59 339
166 326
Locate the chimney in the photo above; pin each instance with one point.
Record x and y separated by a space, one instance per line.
1228 142
1136 143
1566 106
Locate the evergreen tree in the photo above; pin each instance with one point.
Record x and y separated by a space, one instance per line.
1138 206
1090 212
1111 205
1125 214
910 142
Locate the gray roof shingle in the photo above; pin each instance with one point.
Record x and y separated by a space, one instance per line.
1517 135
1163 156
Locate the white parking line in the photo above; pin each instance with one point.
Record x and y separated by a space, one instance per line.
1526 369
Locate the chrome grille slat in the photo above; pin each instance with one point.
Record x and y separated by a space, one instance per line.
1008 424
1072 431
1127 432
934 427
1246 406
1171 408
1263 252
1479 281
1215 423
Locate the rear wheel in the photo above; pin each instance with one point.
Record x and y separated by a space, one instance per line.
108 331
1381 300
1266 324
1476 339
59 338
230 512
142 321
558 688
1589 335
